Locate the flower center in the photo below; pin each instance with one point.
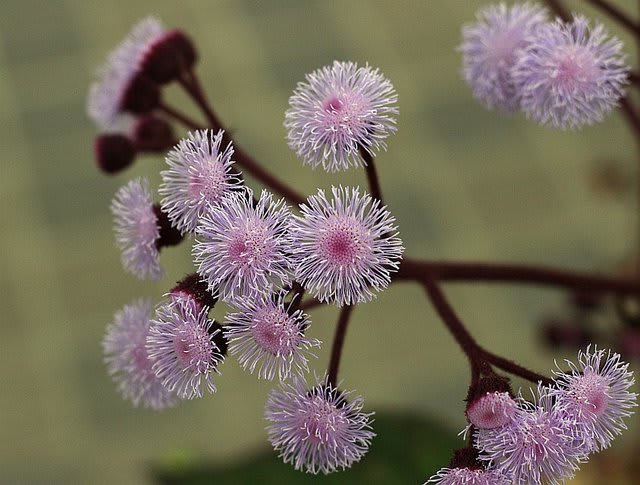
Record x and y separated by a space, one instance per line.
574 67
325 423
193 348
332 104
208 181
590 392
345 114
275 331
250 246
344 243
140 357
501 48
539 438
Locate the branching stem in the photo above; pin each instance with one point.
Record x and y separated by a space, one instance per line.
338 343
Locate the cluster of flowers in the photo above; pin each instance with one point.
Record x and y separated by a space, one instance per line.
561 74
260 256
544 441
252 252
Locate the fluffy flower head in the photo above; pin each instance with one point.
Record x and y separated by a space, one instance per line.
181 346
490 47
317 429
538 446
136 229
345 247
340 110
242 245
199 174
265 334
115 77
127 359
571 75
595 393
468 476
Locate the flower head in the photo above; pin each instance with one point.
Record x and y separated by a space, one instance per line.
571 75
469 476
595 393
318 429
490 47
199 174
127 359
113 91
267 334
344 248
537 446
492 410
137 230
182 348
339 111
242 245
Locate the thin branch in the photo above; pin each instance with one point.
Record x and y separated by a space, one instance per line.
178 116
515 273
310 303
192 86
618 15
254 168
516 369
338 343
558 9
372 175
479 358
297 293
455 326
631 115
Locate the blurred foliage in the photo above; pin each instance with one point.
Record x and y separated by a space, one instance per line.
464 183
406 450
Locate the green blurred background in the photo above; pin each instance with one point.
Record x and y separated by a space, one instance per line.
463 182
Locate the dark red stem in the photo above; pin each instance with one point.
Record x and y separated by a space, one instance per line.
455 326
479 358
178 116
558 9
192 86
516 369
310 303
297 293
255 169
618 15
372 175
338 343
514 273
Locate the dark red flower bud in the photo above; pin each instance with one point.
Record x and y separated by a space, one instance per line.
141 96
153 134
184 45
114 152
195 288
169 235
170 56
